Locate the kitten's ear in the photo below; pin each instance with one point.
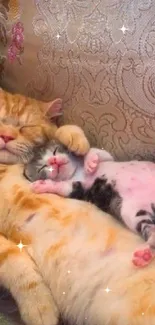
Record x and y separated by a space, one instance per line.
54 108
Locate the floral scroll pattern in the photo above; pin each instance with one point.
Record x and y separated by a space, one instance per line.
11 33
105 75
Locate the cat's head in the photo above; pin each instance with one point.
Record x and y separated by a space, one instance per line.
45 166
60 163
24 125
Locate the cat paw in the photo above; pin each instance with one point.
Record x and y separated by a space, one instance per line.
73 138
91 163
39 307
142 257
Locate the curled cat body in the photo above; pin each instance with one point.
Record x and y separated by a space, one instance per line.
123 189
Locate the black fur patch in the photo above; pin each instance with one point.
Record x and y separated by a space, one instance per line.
141 213
144 213
143 228
153 210
101 193
78 192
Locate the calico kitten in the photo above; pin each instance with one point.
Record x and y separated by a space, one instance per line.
123 189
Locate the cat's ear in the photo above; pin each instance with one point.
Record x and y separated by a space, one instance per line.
53 108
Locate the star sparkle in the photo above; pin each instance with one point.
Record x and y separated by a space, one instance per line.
107 290
58 36
50 169
21 246
123 29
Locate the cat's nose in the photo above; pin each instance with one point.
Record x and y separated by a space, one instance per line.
6 138
52 161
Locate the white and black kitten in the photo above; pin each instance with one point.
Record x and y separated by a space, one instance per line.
124 189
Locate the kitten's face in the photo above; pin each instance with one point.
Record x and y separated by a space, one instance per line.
60 163
23 126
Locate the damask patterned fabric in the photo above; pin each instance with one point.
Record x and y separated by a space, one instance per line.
99 56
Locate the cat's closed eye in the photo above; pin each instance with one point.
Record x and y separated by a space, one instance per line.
55 151
10 121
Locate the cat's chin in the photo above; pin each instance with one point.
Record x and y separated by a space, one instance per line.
7 157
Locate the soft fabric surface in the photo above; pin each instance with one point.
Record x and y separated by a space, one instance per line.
76 50
8 310
4 321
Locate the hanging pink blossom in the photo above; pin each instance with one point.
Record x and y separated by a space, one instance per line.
12 53
17 28
17 42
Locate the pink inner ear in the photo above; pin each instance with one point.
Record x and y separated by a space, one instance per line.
54 108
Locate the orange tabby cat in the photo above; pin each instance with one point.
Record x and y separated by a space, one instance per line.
25 124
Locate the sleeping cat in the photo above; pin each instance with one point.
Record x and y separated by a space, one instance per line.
123 189
25 124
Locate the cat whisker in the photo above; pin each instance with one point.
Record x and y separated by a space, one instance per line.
23 153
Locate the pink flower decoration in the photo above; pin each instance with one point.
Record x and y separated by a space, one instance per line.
16 47
18 40
12 52
17 28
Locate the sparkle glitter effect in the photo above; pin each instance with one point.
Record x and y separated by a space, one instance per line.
21 246
64 293
68 271
123 29
50 169
58 36
107 290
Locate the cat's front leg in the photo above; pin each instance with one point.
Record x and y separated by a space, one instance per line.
20 276
94 157
48 186
73 138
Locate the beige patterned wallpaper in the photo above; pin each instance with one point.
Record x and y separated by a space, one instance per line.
98 55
